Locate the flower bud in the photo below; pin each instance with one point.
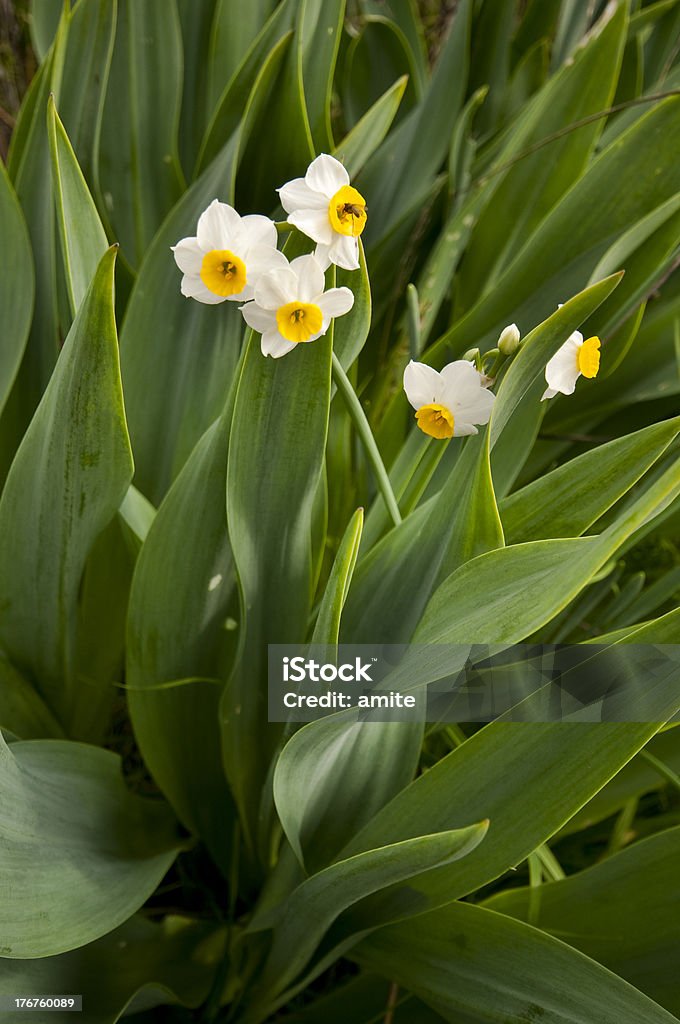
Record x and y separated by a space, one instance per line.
508 343
472 355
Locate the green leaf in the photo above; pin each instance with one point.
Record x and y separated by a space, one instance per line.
407 162
395 580
364 138
320 28
194 348
317 903
572 238
351 331
276 453
230 38
155 964
22 711
622 912
45 15
356 768
527 779
17 286
474 966
83 239
567 501
87 63
139 174
327 624
581 88
66 805
229 111
182 592
66 482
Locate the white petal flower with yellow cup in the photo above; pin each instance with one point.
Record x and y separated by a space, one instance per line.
574 358
291 307
227 255
325 207
449 402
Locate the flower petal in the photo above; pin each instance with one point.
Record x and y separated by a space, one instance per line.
313 223
193 288
462 429
262 259
321 254
335 302
297 195
421 384
261 320
562 372
188 255
218 226
549 393
474 409
276 288
257 230
344 251
310 277
274 345
326 175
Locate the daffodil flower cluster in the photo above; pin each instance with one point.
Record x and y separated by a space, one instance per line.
453 401
236 259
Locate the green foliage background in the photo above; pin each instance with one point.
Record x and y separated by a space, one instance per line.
172 502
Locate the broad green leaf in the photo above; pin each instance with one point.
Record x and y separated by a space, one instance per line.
634 780
476 967
196 22
66 805
22 710
581 88
276 452
567 501
364 138
17 286
171 962
377 55
66 482
229 111
569 242
136 516
490 57
334 775
28 166
395 580
194 348
139 175
320 28
408 160
83 239
87 62
408 18
45 15
314 906
182 592
528 779
231 35
327 625
622 912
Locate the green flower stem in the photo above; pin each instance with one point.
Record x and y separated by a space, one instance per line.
364 431
414 340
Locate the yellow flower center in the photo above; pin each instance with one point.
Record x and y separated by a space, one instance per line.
223 273
298 321
435 420
347 211
588 358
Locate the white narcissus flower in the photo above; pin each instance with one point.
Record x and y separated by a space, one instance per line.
574 358
449 402
291 306
326 208
228 254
